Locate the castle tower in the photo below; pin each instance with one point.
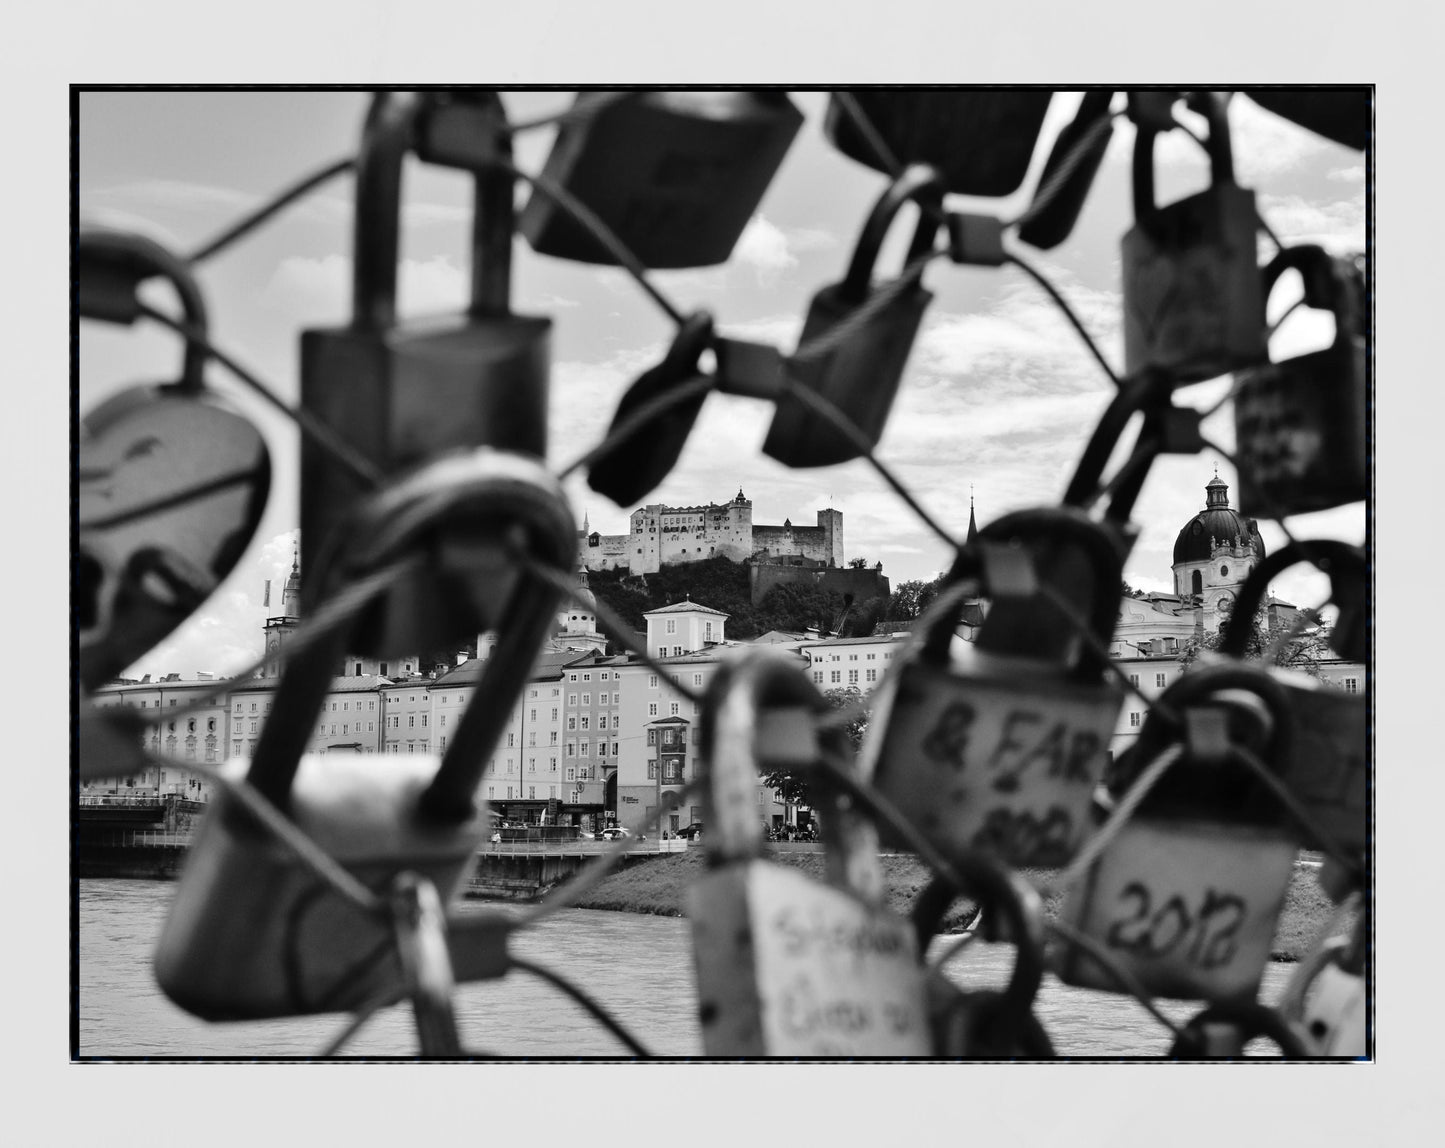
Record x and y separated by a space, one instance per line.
1214 553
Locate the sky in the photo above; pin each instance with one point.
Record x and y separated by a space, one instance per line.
997 402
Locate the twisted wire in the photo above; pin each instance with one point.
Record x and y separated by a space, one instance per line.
282 199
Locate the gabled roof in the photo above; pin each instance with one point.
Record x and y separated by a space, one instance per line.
688 607
548 665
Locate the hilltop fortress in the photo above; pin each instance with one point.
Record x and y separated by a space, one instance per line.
666 535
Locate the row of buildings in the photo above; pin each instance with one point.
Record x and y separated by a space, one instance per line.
594 738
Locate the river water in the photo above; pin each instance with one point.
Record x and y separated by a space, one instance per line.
639 967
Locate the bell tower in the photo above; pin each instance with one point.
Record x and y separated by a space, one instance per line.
278 629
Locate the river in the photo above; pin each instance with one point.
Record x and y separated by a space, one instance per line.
639 967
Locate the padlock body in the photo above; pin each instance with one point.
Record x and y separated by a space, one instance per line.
253 932
675 175
789 967
860 377
1327 767
996 754
1336 1013
403 394
1193 294
1300 426
1189 907
980 140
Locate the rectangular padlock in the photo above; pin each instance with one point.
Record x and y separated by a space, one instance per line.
676 175
994 753
861 374
1000 744
787 966
1193 300
981 140
254 932
1188 906
1301 424
401 392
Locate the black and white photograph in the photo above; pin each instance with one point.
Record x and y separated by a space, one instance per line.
866 573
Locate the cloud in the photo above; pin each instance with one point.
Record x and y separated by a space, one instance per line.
1338 226
318 290
1355 173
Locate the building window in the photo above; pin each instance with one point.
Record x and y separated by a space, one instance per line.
442 720
584 721
571 774
423 721
871 675
652 681
531 737
1160 679
652 737
1134 680
534 712
671 626
586 677
531 765
852 677
604 676
672 709
652 771
697 679
571 699
1352 685
511 740
707 631
651 709
1134 719
571 723
410 720
554 713
818 675
571 749
585 748
835 676
586 699
571 677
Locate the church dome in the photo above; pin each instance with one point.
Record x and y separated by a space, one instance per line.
1217 521
584 597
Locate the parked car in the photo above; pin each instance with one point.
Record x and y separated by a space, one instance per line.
692 832
613 833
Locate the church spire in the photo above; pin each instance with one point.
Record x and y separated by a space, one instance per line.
972 525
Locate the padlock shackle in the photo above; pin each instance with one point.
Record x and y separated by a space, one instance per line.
386 138
741 688
493 218
1221 155
1341 561
111 265
1330 284
1001 893
1140 392
918 182
1252 1020
1069 524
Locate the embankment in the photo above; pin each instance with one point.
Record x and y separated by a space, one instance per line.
658 885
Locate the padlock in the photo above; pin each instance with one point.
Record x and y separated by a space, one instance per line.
1052 224
860 376
676 175
638 462
171 481
999 747
1186 896
988 1024
981 140
786 965
253 931
1345 115
1301 424
1327 996
400 392
1327 767
1193 299
1221 1032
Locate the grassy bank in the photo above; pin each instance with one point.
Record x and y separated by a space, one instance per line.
659 886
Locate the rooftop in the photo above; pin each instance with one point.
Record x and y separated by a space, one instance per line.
688 607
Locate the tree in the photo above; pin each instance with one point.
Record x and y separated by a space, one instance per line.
795 787
858 563
1302 651
910 599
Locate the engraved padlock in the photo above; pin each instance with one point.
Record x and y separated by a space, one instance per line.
1328 998
1000 747
980 139
787 965
1193 299
256 932
401 391
676 175
1300 424
1327 766
988 1024
1187 895
171 481
860 376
